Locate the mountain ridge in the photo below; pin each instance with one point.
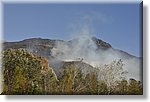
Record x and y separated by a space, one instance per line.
51 43
92 51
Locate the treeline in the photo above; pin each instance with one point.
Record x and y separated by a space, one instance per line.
25 73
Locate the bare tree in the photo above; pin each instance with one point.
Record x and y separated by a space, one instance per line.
111 73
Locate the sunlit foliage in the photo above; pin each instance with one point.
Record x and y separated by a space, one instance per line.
26 73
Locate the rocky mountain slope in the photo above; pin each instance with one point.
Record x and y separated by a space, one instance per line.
91 51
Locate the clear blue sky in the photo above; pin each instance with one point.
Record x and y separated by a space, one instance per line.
117 24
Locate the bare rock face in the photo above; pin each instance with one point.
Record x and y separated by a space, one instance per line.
101 43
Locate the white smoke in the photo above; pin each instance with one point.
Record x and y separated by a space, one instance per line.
86 49
134 68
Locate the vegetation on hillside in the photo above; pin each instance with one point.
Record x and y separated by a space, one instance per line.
26 73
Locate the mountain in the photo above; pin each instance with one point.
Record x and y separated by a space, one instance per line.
43 46
88 50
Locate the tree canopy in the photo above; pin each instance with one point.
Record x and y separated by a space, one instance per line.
26 73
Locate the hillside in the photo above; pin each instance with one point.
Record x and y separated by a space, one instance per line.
78 66
93 51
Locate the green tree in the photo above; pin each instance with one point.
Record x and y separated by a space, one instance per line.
23 72
19 84
134 87
72 81
102 88
91 83
121 88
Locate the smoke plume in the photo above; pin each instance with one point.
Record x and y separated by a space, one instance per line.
82 47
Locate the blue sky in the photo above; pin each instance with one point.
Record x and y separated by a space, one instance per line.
117 24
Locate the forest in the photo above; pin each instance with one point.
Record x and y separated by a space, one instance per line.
27 74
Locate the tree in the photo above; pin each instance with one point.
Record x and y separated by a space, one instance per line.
19 84
26 73
111 73
66 81
102 88
91 83
23 72
72 81
121 88
1 82
134 88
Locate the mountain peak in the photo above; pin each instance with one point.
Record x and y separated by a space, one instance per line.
101 43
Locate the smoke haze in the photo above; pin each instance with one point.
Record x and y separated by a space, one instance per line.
82 47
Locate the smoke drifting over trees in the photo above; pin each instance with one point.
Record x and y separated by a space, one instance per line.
84 46
26 73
